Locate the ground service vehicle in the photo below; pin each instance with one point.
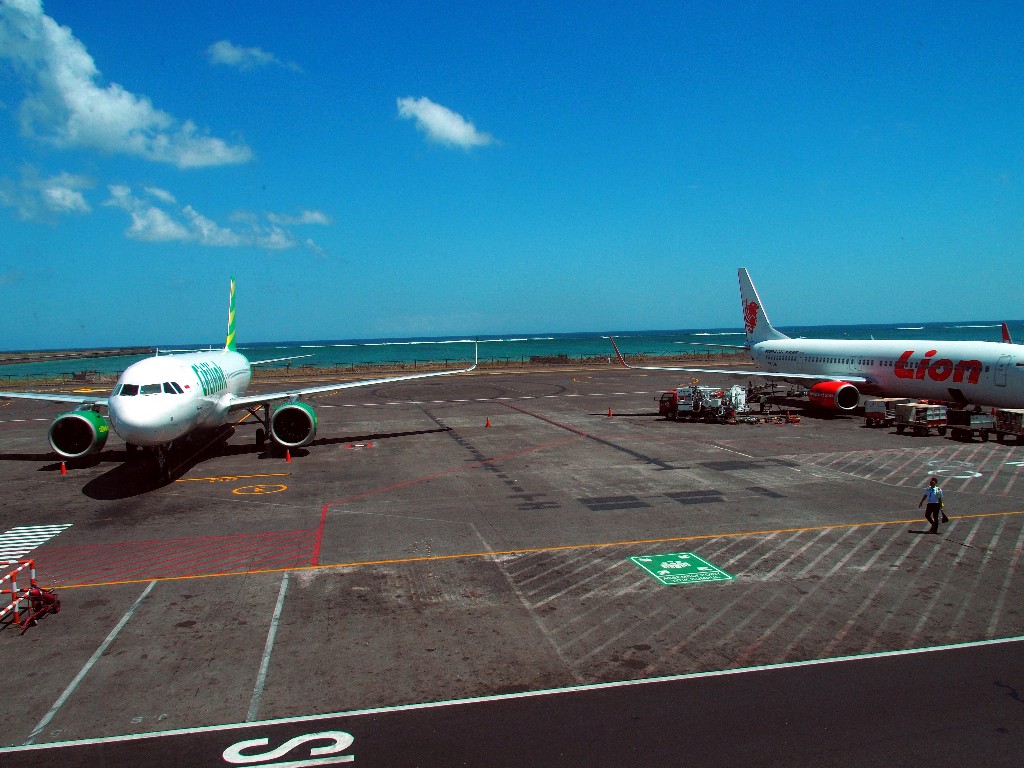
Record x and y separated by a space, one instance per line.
881 411
697 403
964 425
1009 421
920 418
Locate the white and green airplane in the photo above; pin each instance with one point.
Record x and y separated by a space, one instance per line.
162 399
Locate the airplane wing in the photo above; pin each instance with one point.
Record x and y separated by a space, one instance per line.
55 397
292 394
741 371
277 359
712 346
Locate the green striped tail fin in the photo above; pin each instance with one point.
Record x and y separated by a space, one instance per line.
230 344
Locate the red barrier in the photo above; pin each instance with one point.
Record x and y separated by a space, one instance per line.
37 600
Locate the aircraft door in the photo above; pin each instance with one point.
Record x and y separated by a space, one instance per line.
1001 365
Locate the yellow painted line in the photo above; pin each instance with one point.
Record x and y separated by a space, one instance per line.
228 478
533 550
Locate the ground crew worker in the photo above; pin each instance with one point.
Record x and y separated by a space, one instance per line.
932 513
764 404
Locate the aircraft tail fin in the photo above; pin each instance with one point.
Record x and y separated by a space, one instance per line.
230 343
618 354
755 319
1007 339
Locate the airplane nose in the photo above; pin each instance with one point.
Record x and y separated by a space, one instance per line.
140 422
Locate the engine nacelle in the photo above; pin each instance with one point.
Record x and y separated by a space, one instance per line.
834 396
78 433
293 425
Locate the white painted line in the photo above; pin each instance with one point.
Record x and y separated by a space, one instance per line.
261 677
19 541
88 665
510 696
730 450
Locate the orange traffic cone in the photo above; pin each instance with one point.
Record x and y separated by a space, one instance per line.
288 455
488 423
63 468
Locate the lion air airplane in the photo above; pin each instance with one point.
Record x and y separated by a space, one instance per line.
164 398
837 371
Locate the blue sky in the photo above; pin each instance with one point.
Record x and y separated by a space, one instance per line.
410 169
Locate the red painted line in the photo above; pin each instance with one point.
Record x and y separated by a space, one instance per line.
426 478
320 534
545 418
179 555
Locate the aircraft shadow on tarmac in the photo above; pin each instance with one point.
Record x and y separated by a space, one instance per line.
131 477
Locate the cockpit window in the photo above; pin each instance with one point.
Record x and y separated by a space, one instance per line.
150 389
127 390
169 389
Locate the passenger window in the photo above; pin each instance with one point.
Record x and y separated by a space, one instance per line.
150 389
129 390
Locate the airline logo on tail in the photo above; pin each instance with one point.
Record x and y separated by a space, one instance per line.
750 316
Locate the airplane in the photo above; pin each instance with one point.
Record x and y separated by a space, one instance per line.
165 398
837 372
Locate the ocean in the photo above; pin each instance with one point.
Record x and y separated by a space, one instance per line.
521 348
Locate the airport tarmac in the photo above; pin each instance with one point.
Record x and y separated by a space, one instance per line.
472 536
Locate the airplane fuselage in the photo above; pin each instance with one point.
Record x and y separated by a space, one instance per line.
979 372
159 399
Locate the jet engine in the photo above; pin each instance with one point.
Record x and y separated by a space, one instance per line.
834 396
293 425
78 433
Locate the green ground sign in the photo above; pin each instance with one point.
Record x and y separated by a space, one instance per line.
680 568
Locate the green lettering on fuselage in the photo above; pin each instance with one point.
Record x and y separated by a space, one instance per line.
211 378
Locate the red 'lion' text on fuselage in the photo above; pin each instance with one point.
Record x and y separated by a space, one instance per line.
938 370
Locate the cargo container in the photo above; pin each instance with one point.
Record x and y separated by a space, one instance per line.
920 418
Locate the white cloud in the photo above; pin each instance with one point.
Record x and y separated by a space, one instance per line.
207 232
37 198
315 249
154 225
63 199
441 124
304 217
157 218
67 106
276 239
160 194
227 53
